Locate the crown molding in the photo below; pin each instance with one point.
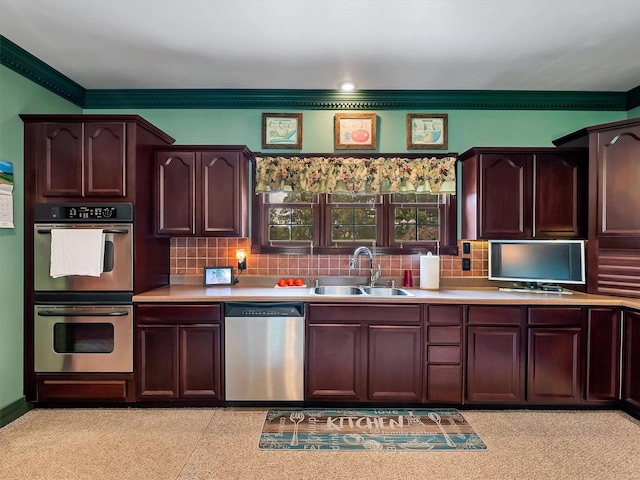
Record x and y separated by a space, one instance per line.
633 98
22 62
362 100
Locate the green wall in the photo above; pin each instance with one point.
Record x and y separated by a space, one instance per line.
17 95
633 113
467 128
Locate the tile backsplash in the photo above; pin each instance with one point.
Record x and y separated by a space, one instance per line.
190 255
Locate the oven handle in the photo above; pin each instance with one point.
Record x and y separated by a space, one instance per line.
63 313
119 231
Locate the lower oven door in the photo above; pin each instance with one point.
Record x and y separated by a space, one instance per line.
83 339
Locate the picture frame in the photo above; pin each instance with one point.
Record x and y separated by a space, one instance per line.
427 131
282 130
355 131
217 276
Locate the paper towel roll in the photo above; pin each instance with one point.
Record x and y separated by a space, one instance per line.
429 272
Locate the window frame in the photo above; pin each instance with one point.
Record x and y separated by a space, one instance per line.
384 224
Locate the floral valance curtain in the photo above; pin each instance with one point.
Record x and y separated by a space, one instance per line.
356 175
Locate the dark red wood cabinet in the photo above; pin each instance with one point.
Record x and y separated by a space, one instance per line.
203 191
364 353
179 352
614 199
496 343
631 361
444 344
523 193
555 355
603 355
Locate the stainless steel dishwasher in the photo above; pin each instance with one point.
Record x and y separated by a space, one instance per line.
264 351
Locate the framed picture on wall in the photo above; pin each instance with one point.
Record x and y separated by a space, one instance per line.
355 131
282 130
427 131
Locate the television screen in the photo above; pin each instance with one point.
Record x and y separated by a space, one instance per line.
537 261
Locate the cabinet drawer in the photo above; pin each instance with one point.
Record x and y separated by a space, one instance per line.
362 313
178 313
555 316
84 390
496 315
443 354
444 334
445 314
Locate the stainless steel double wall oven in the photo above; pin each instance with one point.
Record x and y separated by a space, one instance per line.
84 324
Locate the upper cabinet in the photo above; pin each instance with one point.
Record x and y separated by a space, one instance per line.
523 193
613 249
203 191
89 157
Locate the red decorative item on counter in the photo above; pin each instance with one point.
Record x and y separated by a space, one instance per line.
407 278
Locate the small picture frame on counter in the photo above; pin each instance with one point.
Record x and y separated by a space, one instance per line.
218 276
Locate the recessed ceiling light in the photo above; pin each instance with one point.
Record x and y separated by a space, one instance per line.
347 86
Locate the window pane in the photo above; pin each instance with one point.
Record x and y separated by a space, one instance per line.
288 197
416 224
365 233
302 216
415 198
352 198
342 234
365 216
279 216
279 233
290 224
302 233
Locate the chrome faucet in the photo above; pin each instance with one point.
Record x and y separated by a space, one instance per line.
373 276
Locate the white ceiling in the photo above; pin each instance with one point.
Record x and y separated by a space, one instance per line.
571 45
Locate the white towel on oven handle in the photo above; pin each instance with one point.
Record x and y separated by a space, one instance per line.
77 251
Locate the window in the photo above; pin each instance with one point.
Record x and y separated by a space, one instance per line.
290 222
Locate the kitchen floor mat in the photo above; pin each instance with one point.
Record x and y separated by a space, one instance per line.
368 430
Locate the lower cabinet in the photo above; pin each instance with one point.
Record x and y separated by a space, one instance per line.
364 353
179 352
555 355
631 361
443 375
603 355
495 360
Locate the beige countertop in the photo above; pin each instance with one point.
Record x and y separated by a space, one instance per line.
181 293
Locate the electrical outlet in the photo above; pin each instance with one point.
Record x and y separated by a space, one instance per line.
466 248
466 264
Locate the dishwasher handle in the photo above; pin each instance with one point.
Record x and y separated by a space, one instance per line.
264 309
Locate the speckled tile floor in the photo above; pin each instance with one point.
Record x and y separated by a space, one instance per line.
216 443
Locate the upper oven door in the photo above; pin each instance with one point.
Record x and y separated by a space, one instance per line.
118 260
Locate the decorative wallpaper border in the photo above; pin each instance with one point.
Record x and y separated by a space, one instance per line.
22 62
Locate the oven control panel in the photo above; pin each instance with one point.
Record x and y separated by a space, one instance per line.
88 212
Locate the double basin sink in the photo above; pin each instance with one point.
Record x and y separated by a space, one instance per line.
363 291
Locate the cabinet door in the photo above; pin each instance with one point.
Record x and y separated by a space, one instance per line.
631 362
335 362
104 159
60 169
200 365
559 197
395 359
555 365
495 368
157 362
223 194
618 163
603 355
505 196
176 193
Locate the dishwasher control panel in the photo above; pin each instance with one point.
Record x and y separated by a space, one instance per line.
259 309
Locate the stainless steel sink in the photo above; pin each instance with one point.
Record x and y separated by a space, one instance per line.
336 290
344 290
386 292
